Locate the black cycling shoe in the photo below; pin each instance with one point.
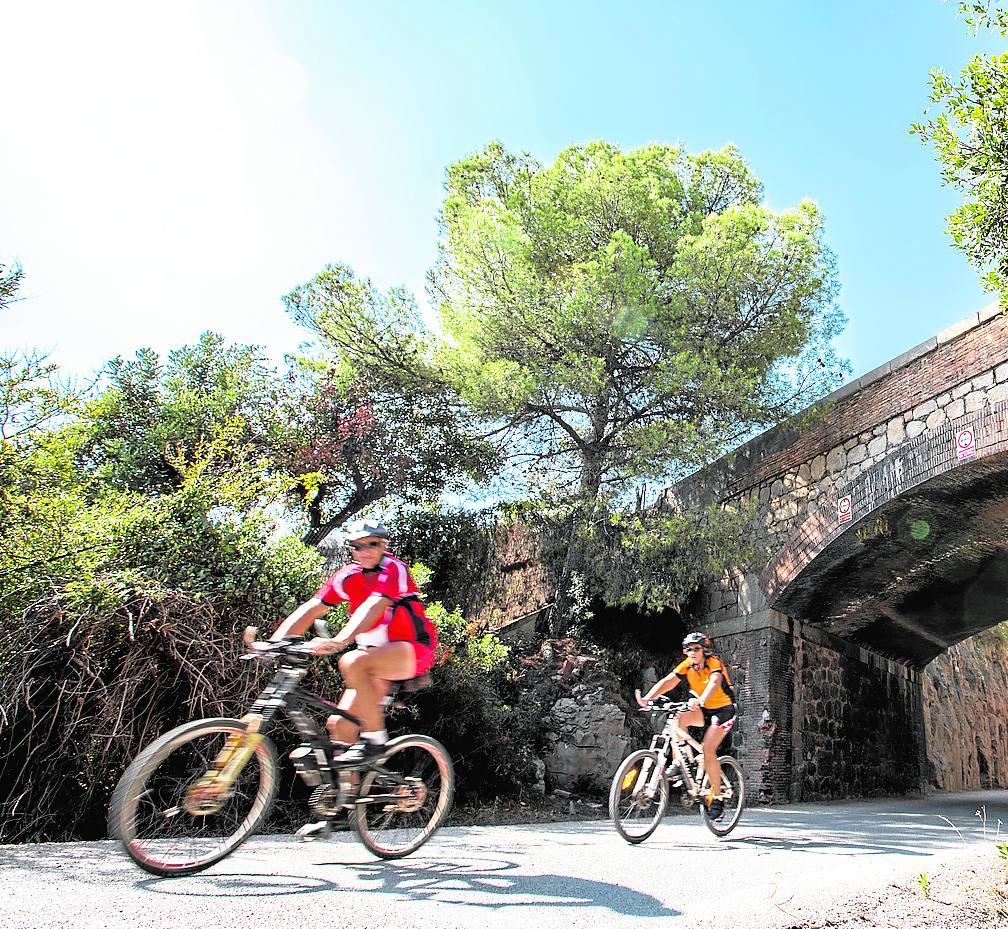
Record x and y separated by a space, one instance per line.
715 808
361 753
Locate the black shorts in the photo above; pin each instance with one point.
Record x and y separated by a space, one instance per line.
723 717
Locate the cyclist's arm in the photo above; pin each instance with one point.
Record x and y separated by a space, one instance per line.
365 617
667 683
714 684
300 620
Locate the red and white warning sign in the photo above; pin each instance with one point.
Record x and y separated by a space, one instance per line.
966 443
844 510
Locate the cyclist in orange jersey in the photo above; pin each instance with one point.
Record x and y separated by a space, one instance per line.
712 706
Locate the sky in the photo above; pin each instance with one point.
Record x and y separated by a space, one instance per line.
171 168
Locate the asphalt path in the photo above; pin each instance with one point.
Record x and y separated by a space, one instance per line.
778 861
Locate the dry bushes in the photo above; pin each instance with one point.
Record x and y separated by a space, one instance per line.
80 695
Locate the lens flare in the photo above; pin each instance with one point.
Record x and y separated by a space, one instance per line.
920 529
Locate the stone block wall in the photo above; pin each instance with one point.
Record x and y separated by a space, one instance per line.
820 718
966 714
858 724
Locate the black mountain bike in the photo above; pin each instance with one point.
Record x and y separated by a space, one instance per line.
639 795
195 794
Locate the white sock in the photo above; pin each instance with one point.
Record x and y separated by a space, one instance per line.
375 738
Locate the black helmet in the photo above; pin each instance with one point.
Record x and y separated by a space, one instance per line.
700 638
363 529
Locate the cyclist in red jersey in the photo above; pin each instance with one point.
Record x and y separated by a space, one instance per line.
395 639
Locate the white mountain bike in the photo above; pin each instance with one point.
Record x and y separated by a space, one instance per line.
639 795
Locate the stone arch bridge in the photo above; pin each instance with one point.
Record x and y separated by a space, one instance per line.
885 528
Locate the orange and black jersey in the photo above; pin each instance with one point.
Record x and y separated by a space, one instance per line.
698 681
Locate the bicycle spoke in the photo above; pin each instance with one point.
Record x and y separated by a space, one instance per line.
732 797
637 801
154 804
406 798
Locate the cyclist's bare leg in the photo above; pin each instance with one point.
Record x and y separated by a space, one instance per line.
367 673
342 730
692 717
713 737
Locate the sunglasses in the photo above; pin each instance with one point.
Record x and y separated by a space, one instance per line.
693 648
362 546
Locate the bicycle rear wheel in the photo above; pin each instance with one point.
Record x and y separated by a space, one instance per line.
166 828
635 814
404 799
732 795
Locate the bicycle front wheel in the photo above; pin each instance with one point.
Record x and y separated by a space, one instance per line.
635 808
405 797
166 825
732 795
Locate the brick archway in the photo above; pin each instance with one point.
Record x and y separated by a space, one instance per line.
827 637
931 516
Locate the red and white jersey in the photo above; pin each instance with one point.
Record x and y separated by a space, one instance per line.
389 578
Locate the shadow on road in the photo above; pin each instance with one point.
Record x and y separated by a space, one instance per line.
233 884
835 847
491 882
496 883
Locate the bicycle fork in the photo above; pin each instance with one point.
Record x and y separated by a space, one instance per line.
210 792
651 771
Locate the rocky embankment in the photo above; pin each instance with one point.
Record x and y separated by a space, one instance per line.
586 722
966 713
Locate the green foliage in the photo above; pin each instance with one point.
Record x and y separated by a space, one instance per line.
629 313
999 631
121 599
457 545
39 490
970 137
137 621
925 885
377 423
10 283
489 725
984 15
477 653
149 413
631 553
31 395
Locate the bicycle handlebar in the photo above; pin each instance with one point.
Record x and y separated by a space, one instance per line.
266 650
664 705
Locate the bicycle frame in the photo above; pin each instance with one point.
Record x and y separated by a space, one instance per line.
666 743
316 767
281 694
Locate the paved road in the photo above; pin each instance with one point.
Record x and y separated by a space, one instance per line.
562 875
